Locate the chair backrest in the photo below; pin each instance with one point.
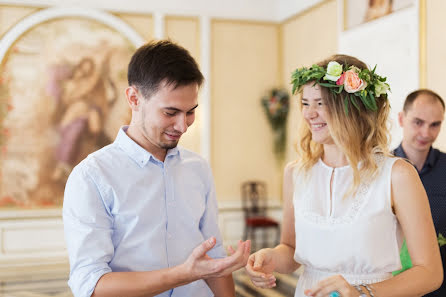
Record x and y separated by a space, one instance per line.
254 198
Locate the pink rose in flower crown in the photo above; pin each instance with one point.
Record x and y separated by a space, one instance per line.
340 80
352 82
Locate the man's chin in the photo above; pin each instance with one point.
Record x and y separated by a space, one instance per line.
423 147
170 145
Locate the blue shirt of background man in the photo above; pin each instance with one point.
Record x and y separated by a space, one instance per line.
433 177
124 210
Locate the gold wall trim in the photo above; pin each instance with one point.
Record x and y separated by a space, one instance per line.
244 22
121 13
305 11
280 53
422 43
181 17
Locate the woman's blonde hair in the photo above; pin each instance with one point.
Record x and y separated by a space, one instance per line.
360 134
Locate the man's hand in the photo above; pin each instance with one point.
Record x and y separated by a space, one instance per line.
201 266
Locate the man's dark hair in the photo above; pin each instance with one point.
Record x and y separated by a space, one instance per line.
414 95
162 62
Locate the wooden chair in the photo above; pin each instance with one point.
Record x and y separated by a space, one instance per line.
254 203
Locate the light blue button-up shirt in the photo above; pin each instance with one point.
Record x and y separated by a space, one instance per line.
124 210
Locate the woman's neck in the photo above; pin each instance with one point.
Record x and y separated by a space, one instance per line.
333 156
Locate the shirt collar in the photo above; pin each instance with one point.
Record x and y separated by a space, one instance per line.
399 152
431 159
135 151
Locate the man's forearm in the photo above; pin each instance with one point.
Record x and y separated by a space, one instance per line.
222 286
135 284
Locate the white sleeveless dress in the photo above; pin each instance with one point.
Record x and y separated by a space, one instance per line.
357 237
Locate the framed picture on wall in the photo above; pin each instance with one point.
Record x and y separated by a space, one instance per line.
62 76
357 12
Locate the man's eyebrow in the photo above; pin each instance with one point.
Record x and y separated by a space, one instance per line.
176 109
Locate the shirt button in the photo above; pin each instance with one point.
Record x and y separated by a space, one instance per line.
169 236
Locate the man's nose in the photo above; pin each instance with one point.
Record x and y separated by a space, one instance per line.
425 131
181 124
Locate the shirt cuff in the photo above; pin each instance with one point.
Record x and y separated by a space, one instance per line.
84 285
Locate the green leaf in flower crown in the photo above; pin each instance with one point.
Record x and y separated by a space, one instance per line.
346 105
365 75
339 90
373 102
327 85
293 90
353 101
365 100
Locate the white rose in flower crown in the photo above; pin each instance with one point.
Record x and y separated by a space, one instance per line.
352 82
381 88
334 71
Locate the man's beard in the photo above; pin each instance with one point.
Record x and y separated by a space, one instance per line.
168 146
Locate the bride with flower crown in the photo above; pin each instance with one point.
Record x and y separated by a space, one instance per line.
348 203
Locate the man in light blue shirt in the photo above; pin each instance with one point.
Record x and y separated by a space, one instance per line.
140 215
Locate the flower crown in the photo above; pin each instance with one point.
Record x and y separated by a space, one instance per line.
358 83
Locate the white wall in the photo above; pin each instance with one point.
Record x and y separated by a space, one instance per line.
391 43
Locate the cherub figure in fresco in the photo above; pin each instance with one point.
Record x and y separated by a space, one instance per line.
84 94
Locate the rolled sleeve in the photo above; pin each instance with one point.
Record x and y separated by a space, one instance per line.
88 229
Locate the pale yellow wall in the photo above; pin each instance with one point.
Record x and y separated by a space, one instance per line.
435 55
11 15
141 23
186 32
245 63
305 40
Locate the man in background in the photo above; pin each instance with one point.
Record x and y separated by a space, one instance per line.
421 120
140 215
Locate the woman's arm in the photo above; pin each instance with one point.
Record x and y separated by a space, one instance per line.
413 212
281 258
285 250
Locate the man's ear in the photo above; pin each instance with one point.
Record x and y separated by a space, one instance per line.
401 118
131 94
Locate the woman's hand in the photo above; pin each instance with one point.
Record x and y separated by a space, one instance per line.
330 284
260 268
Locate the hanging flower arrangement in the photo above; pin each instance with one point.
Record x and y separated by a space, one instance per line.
276 106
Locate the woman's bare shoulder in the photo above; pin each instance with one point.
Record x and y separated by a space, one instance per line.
403 171
290 168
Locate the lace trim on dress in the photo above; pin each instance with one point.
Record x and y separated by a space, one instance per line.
355 279
351 214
